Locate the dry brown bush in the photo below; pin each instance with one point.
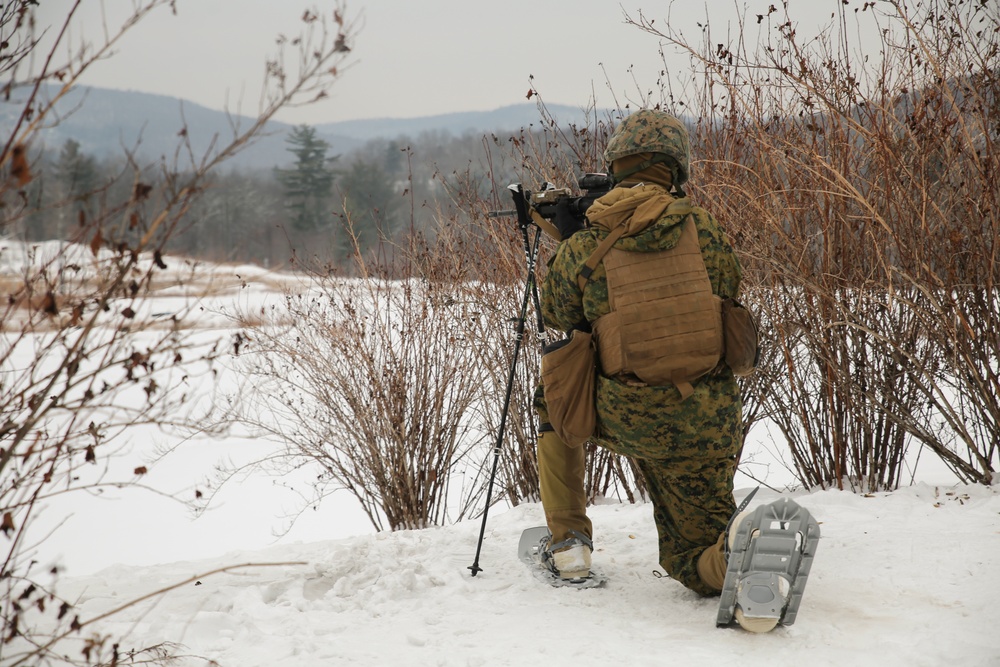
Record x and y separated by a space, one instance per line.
375 381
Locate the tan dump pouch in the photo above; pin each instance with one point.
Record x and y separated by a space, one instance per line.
742 342
568 368
680 362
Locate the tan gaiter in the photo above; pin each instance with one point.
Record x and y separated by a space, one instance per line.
561 477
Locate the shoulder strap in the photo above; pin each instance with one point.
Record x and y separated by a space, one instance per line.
595 258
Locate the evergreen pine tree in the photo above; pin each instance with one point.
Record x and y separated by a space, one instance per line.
308 183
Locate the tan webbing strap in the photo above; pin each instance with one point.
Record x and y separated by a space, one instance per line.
686 389
595 258
544 224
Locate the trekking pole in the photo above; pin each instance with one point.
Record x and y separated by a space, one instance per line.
530 289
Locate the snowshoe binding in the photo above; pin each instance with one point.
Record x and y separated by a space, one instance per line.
771 551
534 550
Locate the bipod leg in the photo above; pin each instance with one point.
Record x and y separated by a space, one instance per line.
529 289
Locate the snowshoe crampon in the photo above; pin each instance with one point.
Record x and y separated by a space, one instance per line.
532 550
769 562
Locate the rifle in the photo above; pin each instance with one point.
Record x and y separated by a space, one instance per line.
539 207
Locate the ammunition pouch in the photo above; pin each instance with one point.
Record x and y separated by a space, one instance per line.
741 337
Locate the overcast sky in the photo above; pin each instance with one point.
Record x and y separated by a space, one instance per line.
413 57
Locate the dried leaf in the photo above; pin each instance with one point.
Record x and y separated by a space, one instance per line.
158 260
141 470
8 523
90 457
19 168
49 305
128 313
530 93
142 191
95 243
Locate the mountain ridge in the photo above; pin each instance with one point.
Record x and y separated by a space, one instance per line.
106 121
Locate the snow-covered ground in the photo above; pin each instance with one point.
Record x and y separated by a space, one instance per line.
906 578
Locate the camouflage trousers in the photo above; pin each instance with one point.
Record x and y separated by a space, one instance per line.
686 452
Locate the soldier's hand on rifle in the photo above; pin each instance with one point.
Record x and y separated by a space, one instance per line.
566 221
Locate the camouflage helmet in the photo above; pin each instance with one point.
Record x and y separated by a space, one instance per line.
649 131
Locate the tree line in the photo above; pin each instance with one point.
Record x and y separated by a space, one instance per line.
320 204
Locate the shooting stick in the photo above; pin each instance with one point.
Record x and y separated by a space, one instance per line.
524 220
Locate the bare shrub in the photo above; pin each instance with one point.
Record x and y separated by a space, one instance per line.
374 383
862 192
84 360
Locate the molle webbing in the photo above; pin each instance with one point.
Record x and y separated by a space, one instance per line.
665 324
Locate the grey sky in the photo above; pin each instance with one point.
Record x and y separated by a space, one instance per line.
413 57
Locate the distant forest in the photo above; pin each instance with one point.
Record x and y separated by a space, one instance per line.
313 206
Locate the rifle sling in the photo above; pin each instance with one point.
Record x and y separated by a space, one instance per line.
544 224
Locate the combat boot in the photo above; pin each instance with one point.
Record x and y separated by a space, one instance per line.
570 558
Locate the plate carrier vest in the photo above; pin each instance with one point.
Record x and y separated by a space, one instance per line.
665 324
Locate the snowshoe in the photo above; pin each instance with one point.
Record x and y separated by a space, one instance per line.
770 555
